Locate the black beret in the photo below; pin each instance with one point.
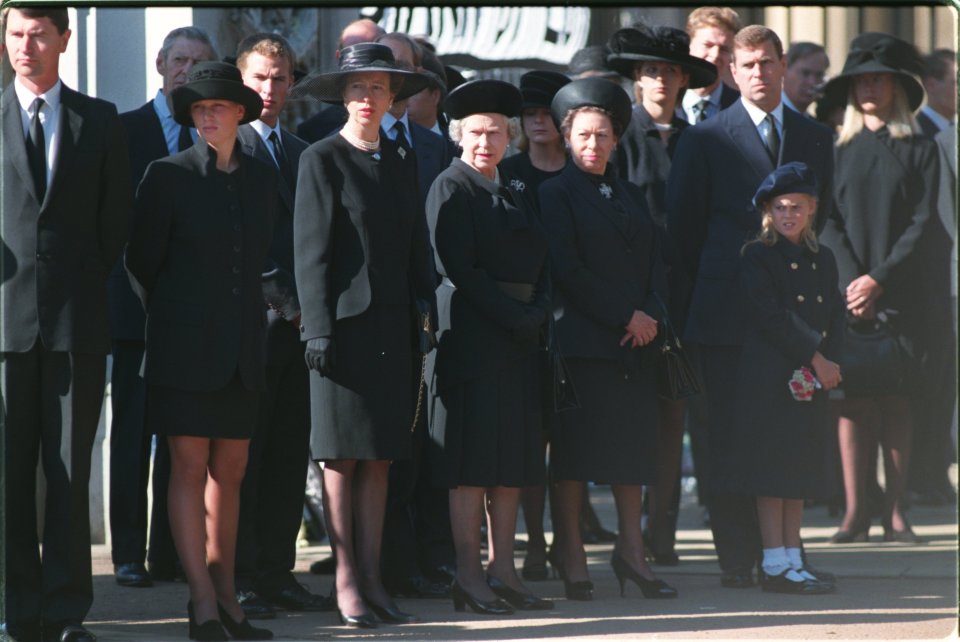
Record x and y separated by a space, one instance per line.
593 92
789 178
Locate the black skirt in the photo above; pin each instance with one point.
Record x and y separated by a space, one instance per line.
227 413
488 431
364 409
612 437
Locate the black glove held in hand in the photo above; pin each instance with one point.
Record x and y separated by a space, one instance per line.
320 355
527 329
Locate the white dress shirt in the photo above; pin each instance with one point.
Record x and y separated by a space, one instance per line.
49 119
387 125
758 116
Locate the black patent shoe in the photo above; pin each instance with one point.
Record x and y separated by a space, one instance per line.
736 579
255 607
516 599
781 584
296 597
72 633
209 631
132 574
416 586
581 591
361 621
905 536
462 599
654 589
242 630
390 614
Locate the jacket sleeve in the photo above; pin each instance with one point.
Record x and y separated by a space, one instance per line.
688 201
456 248
593 296
313 244
115 193
779 326
150 230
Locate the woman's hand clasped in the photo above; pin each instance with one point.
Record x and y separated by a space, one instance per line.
641 330
828 372
862 295
320 355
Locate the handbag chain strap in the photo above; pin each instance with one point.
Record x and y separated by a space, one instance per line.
423 385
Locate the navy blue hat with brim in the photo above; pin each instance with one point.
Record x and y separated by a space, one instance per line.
632 46
359 58
539 87
592 92
789 178
880 53
483 97
212 80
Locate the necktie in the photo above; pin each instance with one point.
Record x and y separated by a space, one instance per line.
185 140
37 151
773 139
400 135
281 159
700 110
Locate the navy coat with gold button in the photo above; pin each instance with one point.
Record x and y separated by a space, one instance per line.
793 308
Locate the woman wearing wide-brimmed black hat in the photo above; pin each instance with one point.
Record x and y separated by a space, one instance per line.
201 232
606 271
361 257
884 191
486 419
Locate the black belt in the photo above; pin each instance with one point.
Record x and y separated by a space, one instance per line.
522 292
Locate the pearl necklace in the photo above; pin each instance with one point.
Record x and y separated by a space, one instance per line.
359 143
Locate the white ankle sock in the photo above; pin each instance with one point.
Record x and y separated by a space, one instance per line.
775 561
795 557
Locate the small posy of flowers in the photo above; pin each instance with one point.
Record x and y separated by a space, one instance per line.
803 384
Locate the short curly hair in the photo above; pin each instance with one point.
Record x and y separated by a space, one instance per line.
456 128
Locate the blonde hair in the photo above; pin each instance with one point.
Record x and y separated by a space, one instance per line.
719 17
769 235
900 124
456 132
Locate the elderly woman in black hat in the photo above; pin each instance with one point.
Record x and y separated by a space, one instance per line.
885 195
486 420
200 235
658 61
606 269
361 258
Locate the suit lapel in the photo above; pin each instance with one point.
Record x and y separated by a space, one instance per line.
14 144
69 125
254 146
746 138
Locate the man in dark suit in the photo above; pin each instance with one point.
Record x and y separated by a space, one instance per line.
66 194
271 498
807 64
152 133
417 523
711 31
940 85
332 117
717 168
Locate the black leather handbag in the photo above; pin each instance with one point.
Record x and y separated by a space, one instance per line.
874 363
676 376
563 392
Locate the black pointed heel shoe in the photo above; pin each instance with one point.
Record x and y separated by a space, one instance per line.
362 621
390 614
581 591
462 599
242 630
209 631
516 599
652 589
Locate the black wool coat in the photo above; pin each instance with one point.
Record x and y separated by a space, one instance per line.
195 257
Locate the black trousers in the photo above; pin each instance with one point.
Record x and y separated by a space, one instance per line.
733 516
51 408
272 493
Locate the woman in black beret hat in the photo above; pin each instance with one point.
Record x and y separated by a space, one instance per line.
606 272
486 419
882 230
201 232
362 261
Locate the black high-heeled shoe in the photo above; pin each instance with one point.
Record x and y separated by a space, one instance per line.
859 532
242 630
534 570
361 621
390 614
209 631
461 599
652 589
905 536
581 591
664 557
516 599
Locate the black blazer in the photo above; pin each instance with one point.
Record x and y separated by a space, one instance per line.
716 170
145 144
357 223
605 264
57 254
433 156
196 251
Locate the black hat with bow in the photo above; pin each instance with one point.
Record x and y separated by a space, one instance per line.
879 53
641 43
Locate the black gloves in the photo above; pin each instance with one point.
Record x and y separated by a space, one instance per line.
527 330
320 355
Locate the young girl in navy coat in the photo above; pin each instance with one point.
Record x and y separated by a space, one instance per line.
788 363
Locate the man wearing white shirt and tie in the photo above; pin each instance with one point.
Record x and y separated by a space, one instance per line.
711 31
940 85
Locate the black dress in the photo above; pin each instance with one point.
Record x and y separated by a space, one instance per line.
884 224
485 409
198 244
794 309
605 265
520 175
360 252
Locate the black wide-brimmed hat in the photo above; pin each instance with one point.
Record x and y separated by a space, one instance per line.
214 80
359 58
634 45
879 53
592 92
591 62
789 178
483 97
539 87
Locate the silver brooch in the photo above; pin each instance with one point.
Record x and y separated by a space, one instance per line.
402 152
376 156
518 184
606 191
